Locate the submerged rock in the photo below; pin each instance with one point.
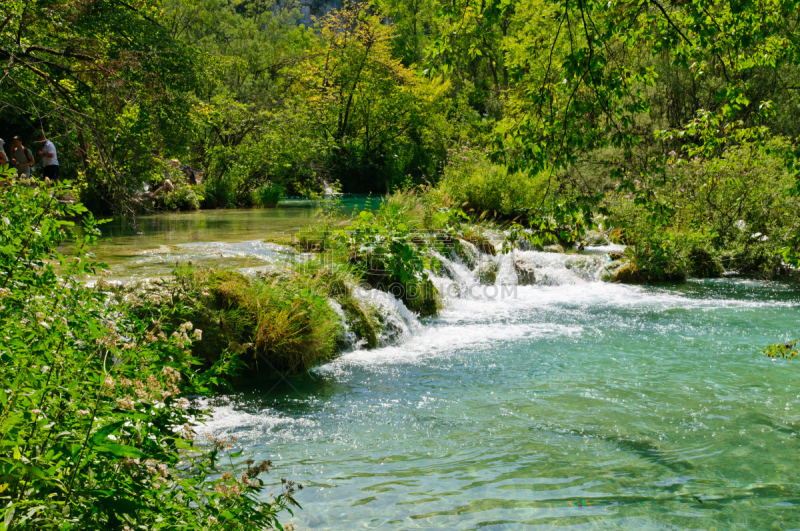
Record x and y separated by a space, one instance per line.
526 275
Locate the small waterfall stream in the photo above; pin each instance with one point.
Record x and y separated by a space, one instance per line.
541 395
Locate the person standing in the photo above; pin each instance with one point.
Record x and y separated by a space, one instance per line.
3 157
49 156
21 158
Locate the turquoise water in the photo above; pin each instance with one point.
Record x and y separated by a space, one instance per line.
150 245
577 406
570 404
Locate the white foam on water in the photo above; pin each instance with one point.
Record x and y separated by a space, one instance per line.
227 420
215 250
441 338
506 274
400 324
456 272
600 249
482 315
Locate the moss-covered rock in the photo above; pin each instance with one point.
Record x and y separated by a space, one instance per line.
422 297
703 264
626 272
419 294
362 320
526 276
487 272
481 242
609 271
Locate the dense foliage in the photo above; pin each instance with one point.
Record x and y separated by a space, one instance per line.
94 430
670 127
577 99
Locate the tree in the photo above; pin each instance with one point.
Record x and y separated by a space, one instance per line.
374 109
106 78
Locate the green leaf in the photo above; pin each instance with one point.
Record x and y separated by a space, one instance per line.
101 435
120 450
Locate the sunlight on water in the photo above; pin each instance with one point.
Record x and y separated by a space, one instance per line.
150 245
584 407
572 405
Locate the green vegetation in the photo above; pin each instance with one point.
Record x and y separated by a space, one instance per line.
269 194
558 116
668 127
279 321
95 433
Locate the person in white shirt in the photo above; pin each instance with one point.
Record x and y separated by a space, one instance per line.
49 156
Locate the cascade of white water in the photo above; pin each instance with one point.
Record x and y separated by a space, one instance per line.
506 273
349 338
556 269
455 276
399 323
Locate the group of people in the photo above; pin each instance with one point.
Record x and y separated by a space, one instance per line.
23 160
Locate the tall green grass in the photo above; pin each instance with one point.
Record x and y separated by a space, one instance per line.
269 194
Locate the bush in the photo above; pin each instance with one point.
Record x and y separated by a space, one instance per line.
733 211
269 194
391 256
93 431
218 193
477 185
653 254
702 263
183 197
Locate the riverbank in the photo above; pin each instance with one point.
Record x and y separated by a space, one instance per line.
353 279
95 428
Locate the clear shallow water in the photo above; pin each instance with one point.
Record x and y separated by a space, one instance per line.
231 238
579 406
572 405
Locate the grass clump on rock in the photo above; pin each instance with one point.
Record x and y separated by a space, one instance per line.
277 321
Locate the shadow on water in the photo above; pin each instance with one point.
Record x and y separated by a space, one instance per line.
296 395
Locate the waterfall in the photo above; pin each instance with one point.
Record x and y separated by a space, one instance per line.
349 338
399 324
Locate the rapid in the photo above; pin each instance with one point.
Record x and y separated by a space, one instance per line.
569 403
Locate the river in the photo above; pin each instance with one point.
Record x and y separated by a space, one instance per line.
569 404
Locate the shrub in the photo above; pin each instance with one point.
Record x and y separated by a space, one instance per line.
702 263
183 197
93 431
269 194
391 257
245 197
480 187
653 254
218 193
733 211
